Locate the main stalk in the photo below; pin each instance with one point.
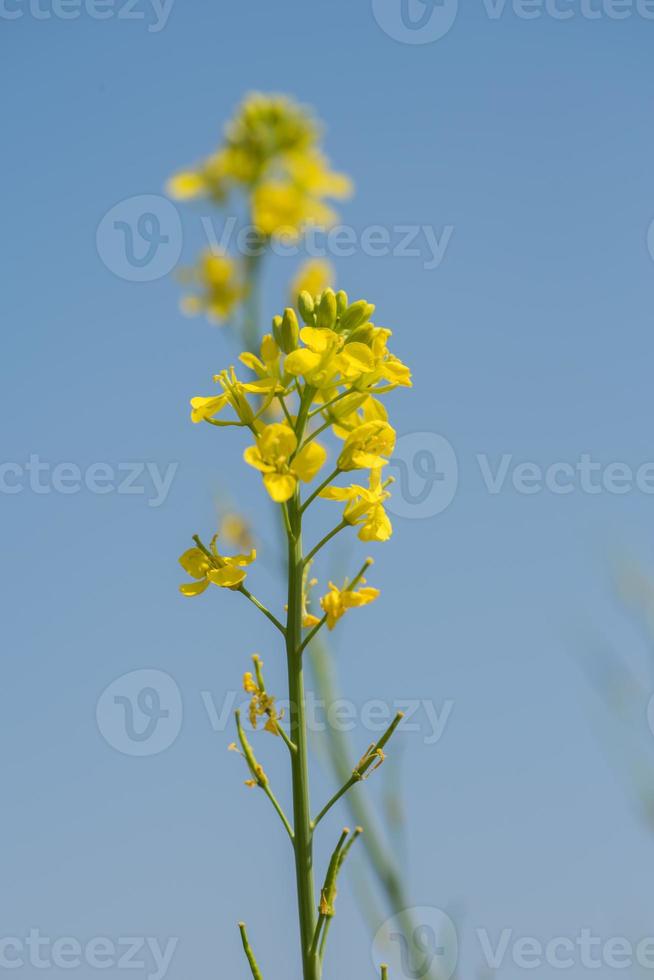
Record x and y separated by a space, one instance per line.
300 763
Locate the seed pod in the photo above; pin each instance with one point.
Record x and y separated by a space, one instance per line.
356 314
327 310
305 306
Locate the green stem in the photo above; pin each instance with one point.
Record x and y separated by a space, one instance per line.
373 755
341 860
381 862
303 842
325 483
256 972
262 608
314 551
251 332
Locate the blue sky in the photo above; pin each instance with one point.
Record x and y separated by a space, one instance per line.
530 139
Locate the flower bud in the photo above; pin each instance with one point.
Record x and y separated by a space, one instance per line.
342 302
305 306
277 329
289 331
356 314
327 310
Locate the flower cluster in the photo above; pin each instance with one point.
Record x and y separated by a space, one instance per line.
271 155
325 373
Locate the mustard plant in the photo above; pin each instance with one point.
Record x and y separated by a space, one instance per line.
327 378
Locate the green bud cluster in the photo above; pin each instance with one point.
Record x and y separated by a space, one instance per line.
333 311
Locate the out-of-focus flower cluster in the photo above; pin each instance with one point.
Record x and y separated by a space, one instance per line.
271 155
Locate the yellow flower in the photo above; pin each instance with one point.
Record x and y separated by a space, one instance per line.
367 445
353 410
213 569
211 179
266 368
316 362
206 408
365 507
217 278
286 205
275 456
234 394
313 277
338 601
265 130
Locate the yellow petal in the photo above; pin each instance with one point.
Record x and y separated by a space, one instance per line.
360 598
377 528
242 559
277 441
301 362
194 588
252 456
226 577
252 362
338 493
318 340
206 408
185 185
358 357
309 461
195 562
280 486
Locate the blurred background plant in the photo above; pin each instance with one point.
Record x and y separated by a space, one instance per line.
623 677
271 168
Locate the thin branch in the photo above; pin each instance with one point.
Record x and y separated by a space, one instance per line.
323 486
314 551
328 894
258 775
262 608
285 410
310 636
316 432
256 972
326 906
375 754
328 404
341 861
